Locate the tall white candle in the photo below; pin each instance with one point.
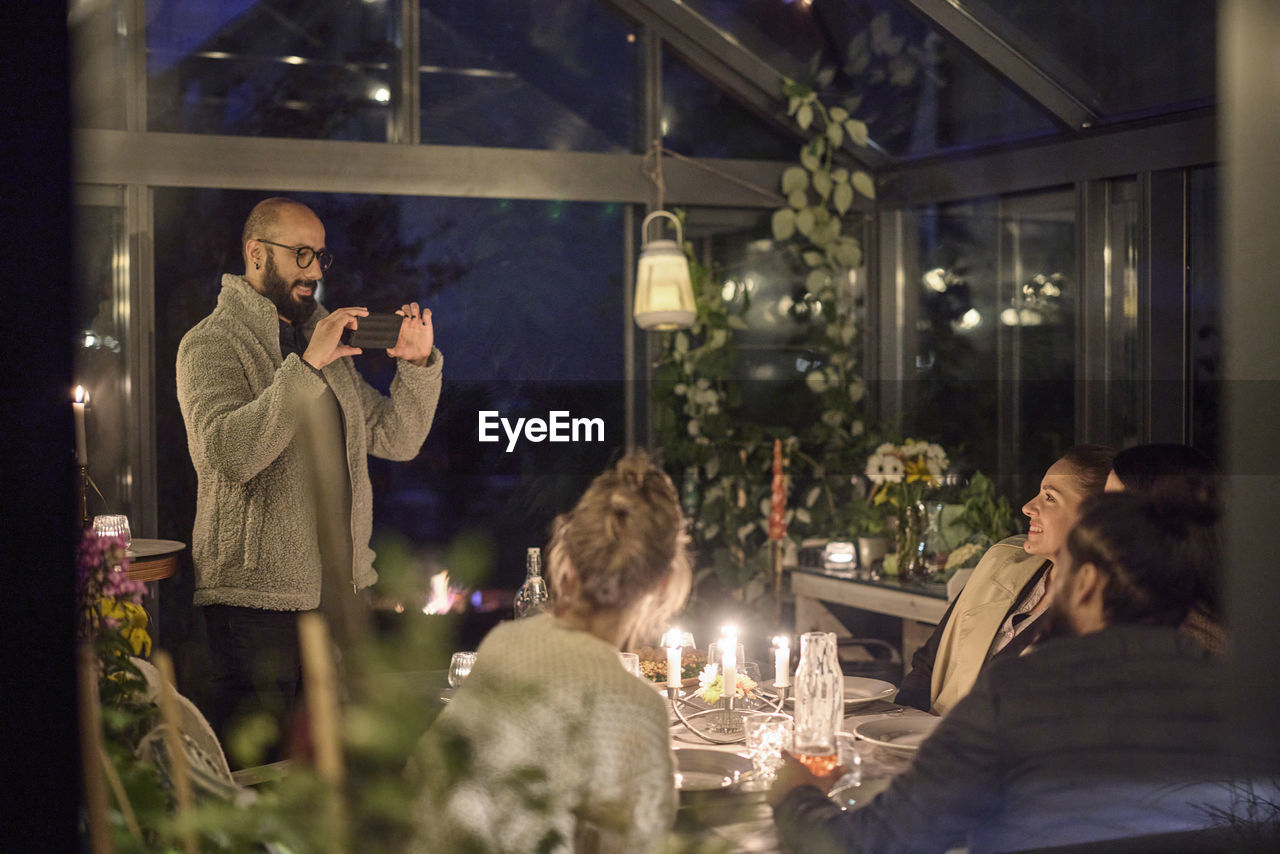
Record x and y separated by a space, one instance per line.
673 659
781 661
82 448
729 657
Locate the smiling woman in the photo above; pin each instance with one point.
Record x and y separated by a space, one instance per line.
997 611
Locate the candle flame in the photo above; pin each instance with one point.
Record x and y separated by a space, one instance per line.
82 396
441 599
782 642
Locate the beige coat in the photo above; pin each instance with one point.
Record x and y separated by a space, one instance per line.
978 613
255 538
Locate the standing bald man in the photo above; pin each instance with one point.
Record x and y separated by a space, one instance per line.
279 427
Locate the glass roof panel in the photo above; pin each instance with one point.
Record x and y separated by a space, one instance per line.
555 74
700 120
1139 58
921 94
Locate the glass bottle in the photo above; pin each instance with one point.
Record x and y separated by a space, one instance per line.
532 597
819 689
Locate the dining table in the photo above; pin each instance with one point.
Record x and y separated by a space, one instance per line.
736 817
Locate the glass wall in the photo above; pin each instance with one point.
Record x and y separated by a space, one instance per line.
527 304
991 372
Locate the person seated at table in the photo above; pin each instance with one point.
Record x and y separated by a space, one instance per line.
996 612
550 745
1109 729
1190 475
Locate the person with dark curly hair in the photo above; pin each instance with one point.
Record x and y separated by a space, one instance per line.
1110 728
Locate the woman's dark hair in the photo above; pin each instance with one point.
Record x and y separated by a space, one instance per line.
1176 474
621 542
1153 550
1092 464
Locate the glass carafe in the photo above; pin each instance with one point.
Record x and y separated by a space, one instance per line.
532 597
819 693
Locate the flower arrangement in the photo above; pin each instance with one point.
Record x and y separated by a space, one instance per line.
110 608
900 476
711 684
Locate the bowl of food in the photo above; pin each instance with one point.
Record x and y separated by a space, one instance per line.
653 665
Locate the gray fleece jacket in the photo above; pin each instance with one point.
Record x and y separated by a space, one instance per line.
255 539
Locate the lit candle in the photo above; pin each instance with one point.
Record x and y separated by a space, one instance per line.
82 449
781 661
729 653
673 657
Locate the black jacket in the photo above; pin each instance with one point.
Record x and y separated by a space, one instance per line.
1108 735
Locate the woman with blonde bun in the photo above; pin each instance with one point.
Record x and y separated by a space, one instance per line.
550 745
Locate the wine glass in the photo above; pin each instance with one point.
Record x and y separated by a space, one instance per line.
113 525
630 662
460 667
767 735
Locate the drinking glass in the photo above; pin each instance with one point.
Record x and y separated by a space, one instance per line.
630 662
113 525
767 736
460 667
848 756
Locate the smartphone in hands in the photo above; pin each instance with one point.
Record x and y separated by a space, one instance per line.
378 331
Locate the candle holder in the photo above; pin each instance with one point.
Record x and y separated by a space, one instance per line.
85 521
722 723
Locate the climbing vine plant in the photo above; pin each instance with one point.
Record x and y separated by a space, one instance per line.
722 459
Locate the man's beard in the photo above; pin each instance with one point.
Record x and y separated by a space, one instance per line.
1056 621
280 292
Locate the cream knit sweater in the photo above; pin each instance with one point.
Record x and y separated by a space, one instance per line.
547 742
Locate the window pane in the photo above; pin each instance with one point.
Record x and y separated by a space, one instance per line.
102 355
548 74
995 355
919 93
1204 323
1140 58
294 68
700 120
527 300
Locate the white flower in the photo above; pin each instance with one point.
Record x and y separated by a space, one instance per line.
887 448
693 427
832 417
708 675
915 449
884 468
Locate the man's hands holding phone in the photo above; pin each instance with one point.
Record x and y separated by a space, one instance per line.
347 331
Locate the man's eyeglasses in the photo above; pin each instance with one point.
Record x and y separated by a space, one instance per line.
305 254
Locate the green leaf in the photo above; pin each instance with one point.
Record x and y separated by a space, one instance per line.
813 259
822 183
816 280
857 131
835 133
784 224
798 200
840 176
825 76
839 114
805 222
810 158
863 183
804 117
843 197
736 322
848 253
794 178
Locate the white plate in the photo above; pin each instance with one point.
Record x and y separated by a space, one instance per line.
901 732
859 690
700 770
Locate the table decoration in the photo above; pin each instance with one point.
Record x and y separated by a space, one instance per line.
711 712
903 475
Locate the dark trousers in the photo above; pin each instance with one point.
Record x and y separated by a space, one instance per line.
257 671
